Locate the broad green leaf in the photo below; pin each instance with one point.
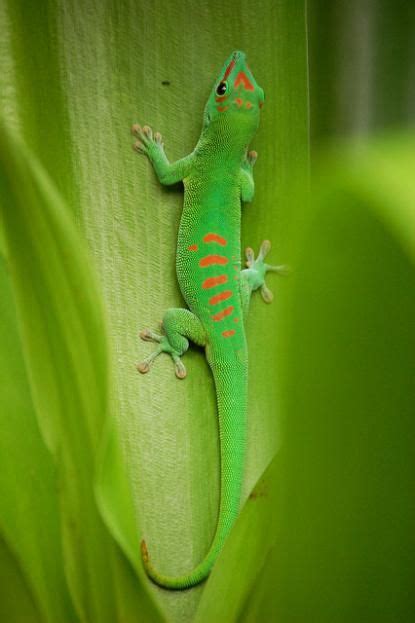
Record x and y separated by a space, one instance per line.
29 508
63 337
16 601
346 547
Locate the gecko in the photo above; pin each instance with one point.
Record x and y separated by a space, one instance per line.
217 178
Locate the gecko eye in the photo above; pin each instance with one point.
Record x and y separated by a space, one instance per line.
221 88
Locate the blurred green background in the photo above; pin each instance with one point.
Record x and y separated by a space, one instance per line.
92 455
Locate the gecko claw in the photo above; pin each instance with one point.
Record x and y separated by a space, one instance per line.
150 336
250 257
179 367
139 147
266 294
252 157
282 270
143 367
136 130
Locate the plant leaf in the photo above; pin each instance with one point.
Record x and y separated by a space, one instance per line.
64 342
346 546
29 518
16 601
245 552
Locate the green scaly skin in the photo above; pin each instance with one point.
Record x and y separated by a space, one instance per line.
217 176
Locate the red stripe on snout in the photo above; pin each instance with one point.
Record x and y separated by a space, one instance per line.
228 70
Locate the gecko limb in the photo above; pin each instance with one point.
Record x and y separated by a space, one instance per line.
246 177
151 144
253 277
178 326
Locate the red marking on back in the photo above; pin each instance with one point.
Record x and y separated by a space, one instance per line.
239 101
222 296
243 79
193 247
221 99
236 319
223 313
248 105
228 333
228 70
222 108
211 282
213 259
215 238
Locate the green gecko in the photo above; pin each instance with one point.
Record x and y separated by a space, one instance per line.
217 176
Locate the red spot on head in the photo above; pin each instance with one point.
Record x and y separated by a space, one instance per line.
239 101
211 282
221 99
193 247
213 259
223 313
215 238
222 296
228 333
228 70
222 108
243 79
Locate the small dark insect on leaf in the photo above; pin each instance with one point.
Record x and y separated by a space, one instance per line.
165 83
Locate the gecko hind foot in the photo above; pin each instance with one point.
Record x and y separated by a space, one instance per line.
259 268
164 346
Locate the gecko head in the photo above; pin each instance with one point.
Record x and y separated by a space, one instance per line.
236 98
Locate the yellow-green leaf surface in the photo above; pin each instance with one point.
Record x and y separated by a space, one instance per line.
76 74
346 547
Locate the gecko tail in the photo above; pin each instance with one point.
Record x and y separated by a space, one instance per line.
231 394
181 582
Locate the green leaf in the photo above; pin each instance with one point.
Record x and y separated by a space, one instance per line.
361 67
245 552
16 601
346 547
29 518
63 337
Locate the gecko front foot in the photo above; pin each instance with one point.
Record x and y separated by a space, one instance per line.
164 346
257 269
147 141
